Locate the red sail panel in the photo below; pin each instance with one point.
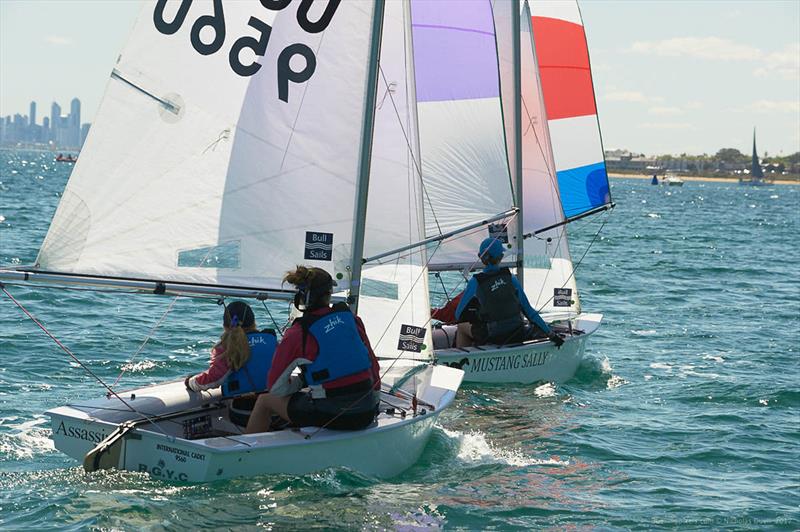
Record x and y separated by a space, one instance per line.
564 68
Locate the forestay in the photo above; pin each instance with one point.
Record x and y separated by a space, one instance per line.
227 139
461 131
566 79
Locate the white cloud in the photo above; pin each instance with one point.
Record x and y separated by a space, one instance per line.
631 96
784 64
665 110
666 125
770 106
57 40
713 48
694 105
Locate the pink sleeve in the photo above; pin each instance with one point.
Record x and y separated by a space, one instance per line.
215 374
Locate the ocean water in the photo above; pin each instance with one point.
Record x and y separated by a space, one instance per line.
684 414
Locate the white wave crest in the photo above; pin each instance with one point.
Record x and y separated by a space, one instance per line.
25 439
474 449
547 389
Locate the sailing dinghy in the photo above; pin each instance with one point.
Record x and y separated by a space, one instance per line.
234 141
535 92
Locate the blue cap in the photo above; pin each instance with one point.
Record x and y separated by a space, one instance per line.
491 248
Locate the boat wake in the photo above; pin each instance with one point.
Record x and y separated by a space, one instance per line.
19 441
472 448
599 372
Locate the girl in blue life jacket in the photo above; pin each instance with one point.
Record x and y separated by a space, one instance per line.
337 366
239 362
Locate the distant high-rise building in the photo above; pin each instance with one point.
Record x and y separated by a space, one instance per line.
33 114
55 120
75 122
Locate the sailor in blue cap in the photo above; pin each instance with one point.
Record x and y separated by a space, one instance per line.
493 304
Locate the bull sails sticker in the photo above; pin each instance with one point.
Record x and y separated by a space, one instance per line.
562 297
411 338
319 246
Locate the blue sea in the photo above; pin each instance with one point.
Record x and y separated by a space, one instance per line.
685 413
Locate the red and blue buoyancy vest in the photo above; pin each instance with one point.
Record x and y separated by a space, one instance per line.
341 351
252 377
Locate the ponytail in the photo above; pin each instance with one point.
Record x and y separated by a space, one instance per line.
237 348
314 286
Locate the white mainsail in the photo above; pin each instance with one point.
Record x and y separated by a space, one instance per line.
208 163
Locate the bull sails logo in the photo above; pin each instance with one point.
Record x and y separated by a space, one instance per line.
319 246
411 338
562 297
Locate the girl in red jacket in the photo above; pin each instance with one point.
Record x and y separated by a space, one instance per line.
337 366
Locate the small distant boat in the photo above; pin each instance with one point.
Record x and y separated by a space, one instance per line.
672 180
68 159
756 178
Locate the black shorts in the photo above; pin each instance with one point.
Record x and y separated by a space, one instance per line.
343 412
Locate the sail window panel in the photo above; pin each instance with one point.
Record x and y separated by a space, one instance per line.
226 255
381 289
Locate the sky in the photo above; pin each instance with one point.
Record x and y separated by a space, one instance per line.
675 76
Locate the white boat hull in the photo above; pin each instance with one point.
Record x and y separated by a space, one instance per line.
535 361
162 449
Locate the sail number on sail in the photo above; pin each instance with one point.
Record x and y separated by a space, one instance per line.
258 44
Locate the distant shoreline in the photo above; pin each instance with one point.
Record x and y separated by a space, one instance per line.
703 179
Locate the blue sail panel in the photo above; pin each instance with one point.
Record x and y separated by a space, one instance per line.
583 189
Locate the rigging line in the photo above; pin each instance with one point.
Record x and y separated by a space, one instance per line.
577 265
150 334
411 151
160 419
67 351
275 323
299 109
394 361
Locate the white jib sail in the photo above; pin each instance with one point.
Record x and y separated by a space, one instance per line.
548 265
394 292
228 137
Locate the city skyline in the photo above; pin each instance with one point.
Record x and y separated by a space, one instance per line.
669 77
57 130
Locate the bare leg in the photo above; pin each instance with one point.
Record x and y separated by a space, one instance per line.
464 335
266 406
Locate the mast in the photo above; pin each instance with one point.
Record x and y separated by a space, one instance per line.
516 57
362 187
755 167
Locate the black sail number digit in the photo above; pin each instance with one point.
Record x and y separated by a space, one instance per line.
324 19
259 46
168 28
275 5
285 72
217 23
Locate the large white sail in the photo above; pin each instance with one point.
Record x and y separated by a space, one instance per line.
547 263
461 131
227 139
394 291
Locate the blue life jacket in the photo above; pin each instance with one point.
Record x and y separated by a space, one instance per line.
341 351
252 377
